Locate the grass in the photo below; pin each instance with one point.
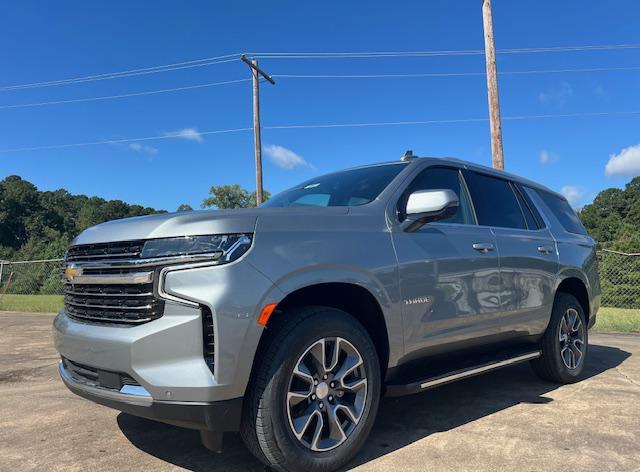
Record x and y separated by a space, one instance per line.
35 303
619 320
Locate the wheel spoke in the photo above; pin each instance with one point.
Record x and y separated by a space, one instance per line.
354 386
295 398
564 327
301 423
315 441
347 410
566 356
335 428
575 322
350 364
577 353
318 353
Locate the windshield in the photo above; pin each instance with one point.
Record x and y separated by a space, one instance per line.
347 188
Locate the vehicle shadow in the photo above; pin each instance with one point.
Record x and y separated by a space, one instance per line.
401 421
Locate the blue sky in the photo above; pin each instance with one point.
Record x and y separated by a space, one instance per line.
44 41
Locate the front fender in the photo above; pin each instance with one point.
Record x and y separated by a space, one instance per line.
383 293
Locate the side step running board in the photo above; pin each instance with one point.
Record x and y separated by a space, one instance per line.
425 384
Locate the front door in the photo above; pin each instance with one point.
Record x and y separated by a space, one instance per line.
448 270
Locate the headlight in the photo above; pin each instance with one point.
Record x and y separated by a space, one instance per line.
220 247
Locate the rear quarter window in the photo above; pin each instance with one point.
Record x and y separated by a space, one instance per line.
562 211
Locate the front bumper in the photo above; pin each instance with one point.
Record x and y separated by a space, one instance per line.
217 416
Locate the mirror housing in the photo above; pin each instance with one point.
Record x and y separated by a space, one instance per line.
426 206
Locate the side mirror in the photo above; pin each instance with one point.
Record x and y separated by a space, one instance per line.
426 206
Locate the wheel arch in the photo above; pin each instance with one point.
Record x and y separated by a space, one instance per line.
576 286
349 297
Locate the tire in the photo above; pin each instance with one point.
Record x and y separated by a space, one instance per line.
560 361
270 412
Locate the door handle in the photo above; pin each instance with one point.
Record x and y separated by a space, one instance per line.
483 247
545 249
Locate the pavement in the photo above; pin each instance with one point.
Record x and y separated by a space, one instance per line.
505 420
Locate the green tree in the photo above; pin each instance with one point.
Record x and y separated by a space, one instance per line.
40 225
613 219
231 196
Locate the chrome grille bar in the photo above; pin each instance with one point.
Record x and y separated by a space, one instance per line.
126 278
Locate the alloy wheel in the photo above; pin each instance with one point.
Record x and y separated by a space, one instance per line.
571 336
327 394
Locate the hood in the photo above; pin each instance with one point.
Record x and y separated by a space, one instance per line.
192 223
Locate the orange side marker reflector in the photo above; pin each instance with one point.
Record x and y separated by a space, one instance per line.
265 314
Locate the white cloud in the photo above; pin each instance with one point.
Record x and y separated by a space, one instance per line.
547 158
624 164
191 134
572 194
558 96
283 157
137 147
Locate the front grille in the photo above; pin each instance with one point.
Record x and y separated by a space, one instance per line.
115 250
98 377
113 303
123 301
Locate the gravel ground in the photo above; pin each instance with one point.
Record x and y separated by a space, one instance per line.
506 420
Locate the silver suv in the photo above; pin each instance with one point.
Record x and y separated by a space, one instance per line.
288 322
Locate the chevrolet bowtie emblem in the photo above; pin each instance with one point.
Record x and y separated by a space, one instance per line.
71 271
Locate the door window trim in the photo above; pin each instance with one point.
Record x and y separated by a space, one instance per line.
463 189
512 184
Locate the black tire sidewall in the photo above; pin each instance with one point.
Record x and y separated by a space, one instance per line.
325 323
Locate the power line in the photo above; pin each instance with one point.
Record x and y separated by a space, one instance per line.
302 55
448 74
469 52
314 76
125 95
127 73
123 140
323 125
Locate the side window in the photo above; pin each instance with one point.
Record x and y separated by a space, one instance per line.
527 209
440 178
563 212
494 201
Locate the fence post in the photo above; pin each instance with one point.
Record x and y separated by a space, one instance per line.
1 268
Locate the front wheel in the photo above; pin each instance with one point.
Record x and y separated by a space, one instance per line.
565 343
315 391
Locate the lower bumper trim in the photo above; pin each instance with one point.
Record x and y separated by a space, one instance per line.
220 416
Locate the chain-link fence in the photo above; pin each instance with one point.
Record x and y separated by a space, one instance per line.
619 278
41 277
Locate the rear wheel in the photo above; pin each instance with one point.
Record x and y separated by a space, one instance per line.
314 394
565 343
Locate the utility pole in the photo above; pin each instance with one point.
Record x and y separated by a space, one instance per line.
497 157
256 72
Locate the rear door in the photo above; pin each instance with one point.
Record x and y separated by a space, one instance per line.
448 270
528 254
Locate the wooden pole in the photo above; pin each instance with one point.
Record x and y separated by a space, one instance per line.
256 72
497 157
257 140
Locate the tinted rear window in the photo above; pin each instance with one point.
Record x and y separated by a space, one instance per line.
347 188
562 211
494 201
